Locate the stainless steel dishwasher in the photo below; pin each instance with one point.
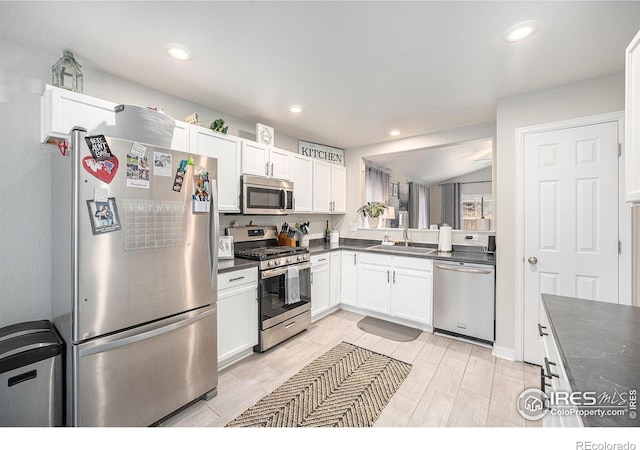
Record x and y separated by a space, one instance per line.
463 300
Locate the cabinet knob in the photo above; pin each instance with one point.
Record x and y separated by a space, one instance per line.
533 260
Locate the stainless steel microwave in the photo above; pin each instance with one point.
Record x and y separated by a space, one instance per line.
266 196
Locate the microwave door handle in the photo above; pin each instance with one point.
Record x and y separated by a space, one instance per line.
284 199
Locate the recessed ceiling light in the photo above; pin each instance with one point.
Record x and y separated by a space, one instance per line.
295 109
394 132
520 31
177 51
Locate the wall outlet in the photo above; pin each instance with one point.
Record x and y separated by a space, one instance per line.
471 237
353 227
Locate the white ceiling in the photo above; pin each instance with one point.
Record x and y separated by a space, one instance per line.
359 68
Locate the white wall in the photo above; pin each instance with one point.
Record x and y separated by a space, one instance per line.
25 172
589 97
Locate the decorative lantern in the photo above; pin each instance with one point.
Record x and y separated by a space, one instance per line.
66 73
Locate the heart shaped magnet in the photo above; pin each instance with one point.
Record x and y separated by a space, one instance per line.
102 170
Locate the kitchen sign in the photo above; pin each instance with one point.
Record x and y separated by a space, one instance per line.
323 152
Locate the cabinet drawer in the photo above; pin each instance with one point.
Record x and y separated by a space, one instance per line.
374 258
413 263
317 260
229 280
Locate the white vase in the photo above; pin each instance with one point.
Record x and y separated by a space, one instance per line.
373 222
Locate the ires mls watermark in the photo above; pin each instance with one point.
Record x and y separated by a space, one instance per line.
534 404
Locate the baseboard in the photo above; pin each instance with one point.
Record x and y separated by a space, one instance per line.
504 353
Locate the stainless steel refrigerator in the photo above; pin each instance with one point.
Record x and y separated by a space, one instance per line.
134 231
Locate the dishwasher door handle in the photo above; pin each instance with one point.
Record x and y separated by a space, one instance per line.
464 269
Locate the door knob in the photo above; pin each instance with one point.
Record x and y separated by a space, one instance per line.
533 260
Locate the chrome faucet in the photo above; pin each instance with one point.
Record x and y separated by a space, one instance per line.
405 233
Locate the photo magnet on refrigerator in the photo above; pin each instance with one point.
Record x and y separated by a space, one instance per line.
104 216
102 170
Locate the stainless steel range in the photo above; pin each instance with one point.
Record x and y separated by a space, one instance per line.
284 283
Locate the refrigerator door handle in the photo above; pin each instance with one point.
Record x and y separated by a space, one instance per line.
214 229
112 344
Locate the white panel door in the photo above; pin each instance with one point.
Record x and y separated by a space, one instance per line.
571 219
339 189
279 164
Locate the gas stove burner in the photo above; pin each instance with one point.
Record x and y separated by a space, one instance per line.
262 253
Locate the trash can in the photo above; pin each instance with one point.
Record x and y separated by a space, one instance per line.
31 375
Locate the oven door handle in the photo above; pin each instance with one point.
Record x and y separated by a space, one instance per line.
282 270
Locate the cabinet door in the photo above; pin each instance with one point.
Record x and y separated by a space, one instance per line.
227 151
255 158
279 164
302 177
339 189
374 287
335 278
411 294
62 110
321 187
349 279
320 279
181 136
237 321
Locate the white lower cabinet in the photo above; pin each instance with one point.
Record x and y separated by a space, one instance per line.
554 376
374 283
349 278
335 278
320 284
396 286
237 314
411 287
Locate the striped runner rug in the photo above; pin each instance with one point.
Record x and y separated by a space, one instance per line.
348 386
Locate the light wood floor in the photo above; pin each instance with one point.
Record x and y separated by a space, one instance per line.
452 383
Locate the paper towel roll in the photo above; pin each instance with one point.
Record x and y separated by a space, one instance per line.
483 224
444 239
334 237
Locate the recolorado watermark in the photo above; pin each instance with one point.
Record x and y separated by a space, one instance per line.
534 404
588 445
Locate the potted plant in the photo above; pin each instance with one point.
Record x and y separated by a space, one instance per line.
218 126
372 211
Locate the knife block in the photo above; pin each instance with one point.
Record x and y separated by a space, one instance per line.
286 241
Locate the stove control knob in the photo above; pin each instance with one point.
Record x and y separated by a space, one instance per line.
287 261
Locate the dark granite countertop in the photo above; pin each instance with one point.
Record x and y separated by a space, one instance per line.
228 265
459 253
599 345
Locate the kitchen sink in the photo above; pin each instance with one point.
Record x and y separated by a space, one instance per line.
402 249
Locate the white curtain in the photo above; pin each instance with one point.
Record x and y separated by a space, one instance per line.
418 206
377 185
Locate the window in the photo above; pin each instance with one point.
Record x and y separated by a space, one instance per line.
475 206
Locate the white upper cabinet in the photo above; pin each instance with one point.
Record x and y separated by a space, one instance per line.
302 177
264 161
226 149
632 122
329 188
181 136
61 110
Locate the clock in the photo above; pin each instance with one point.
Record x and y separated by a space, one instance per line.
264 134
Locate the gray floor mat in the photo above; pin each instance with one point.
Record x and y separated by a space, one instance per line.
388 330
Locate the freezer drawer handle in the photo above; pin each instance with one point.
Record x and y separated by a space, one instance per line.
99 348
464 269
289 325
22 377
